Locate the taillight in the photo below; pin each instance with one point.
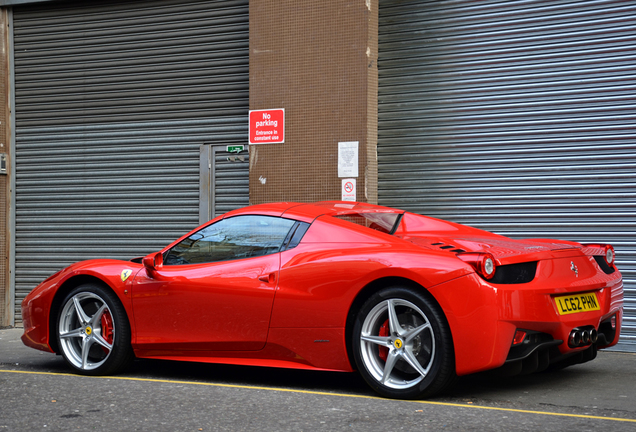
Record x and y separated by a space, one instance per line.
609 254
483 263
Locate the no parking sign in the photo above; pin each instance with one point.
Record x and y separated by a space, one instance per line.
267 126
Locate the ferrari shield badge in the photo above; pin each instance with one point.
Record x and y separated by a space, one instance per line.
125 274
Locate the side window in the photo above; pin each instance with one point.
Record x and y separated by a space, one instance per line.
229 239
383 222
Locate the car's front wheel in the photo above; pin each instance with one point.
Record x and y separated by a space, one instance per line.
402 344
93 332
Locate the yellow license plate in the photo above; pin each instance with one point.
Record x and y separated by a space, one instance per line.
577 303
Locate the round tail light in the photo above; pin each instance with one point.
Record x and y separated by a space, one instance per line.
483 263
489 267
609 254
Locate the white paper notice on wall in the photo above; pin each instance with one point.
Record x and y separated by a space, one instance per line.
349 189
348 159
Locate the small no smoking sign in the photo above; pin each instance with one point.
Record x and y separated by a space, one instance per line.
349 189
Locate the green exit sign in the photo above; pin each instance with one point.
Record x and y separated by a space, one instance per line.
235 148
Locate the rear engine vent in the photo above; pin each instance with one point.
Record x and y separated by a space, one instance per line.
446 247
515 273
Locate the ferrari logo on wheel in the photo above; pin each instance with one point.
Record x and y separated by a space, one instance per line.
125 274
398 343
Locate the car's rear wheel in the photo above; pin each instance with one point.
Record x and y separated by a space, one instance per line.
402 344
93 331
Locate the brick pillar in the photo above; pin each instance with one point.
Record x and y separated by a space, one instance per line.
318 61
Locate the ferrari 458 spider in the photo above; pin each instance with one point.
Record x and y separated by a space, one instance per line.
409 301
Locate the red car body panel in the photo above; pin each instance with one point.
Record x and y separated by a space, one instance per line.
180 309
292 308
36 311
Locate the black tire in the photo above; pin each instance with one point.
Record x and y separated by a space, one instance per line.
93 331
413 359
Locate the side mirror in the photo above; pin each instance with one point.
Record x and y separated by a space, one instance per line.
153 263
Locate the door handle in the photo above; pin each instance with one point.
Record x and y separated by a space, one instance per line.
267 278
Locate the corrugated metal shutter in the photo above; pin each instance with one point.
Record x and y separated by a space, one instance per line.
517 117
112 101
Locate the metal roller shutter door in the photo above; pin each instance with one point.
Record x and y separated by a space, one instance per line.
516 117
112 101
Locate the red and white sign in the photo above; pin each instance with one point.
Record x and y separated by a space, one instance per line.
267 126
349 189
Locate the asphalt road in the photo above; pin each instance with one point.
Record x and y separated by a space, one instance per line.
37 393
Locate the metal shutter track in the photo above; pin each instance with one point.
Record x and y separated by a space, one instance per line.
113 100
516 117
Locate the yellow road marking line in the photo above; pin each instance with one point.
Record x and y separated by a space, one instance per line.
449 404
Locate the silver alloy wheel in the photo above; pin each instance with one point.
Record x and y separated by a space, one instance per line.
410 344
80 331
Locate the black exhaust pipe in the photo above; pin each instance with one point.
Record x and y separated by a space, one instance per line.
585 337
593 336
582 336
574 340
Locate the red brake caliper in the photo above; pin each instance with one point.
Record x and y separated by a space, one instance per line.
107 328
384 332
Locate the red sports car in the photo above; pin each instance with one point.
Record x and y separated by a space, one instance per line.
409 301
